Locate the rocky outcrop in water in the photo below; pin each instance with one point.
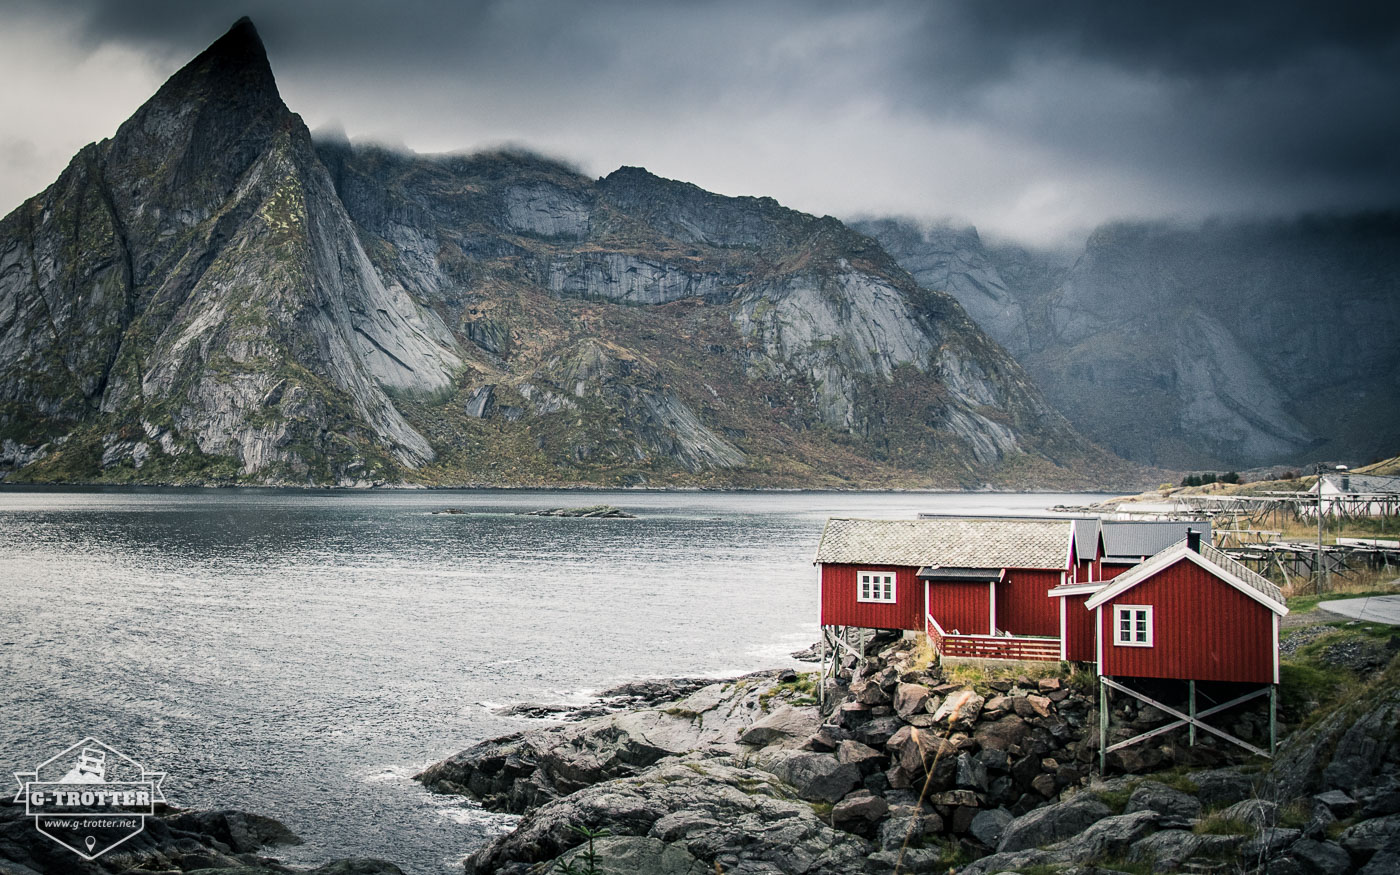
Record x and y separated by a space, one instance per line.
1235 344
211 296
175 841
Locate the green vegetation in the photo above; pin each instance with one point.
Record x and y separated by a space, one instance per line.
589 856
802 691
1217 825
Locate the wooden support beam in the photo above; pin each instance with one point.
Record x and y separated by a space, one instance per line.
1192 703
1182 720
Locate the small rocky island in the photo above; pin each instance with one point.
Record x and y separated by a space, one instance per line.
593 512
171 841
912 769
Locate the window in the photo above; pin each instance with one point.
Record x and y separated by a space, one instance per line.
875 586
1132 625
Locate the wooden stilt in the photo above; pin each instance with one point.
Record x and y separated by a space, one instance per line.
1191 696
1273 719
1103 727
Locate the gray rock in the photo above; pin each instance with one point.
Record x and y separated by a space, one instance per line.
1257 813
989 824
1339 803
480 404
1269 843
518 772
1220 787
785 725
1052 823
1369 836
910 699
862 756
628 855
1109 837
1158 797
817 777
971 774
756 823
1319 858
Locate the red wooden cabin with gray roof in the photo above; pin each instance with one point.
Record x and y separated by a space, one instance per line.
987 587
977 586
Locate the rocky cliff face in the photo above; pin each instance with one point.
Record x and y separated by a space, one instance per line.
1233 345
211 295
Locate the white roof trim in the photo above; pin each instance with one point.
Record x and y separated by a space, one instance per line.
1077 588
1169 557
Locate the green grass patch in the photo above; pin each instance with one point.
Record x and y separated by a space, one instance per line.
1218 825
802 691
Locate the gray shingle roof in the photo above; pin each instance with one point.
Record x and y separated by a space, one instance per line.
967 542
1130 539
1243 573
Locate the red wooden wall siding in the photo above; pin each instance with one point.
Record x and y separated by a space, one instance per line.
964 607
1079 629
840 608
1203 629
1108 572
1023 607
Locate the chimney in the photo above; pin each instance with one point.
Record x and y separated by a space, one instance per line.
1193 540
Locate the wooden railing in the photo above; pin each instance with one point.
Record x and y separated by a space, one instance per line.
991 646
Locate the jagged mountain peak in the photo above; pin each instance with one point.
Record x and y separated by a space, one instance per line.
234 69
214 295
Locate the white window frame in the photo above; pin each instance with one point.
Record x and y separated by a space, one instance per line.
868 584
1132 611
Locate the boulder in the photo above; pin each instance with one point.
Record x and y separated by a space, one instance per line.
878 731
1220 787
989 824
1158 797
1369 836
907 830
1108 837
817 777
784 725
960 709
1257 813
1318 858
622 855
914 751
1004 734
910 699
1339 803
859 813
1052 823
1168 849
971 774
862 756
1269 843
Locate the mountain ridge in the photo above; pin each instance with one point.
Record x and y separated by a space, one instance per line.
1237 343
240 303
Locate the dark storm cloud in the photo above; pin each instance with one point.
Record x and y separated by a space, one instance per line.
1034 118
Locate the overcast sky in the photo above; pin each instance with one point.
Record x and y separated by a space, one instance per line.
1033 120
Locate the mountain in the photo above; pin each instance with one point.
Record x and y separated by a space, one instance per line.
1231 345
213 296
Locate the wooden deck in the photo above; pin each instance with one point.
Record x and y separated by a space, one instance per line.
991 646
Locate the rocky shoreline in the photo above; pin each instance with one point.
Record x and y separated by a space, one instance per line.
172 841
908 769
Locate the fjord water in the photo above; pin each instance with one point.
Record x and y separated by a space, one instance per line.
302 654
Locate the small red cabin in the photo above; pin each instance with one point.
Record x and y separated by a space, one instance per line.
978 586
1192 613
